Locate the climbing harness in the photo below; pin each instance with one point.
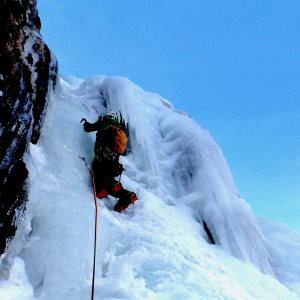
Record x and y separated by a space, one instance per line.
96 224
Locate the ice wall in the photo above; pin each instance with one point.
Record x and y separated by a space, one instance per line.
187 166
158 248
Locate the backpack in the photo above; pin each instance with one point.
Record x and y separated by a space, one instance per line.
120 139
113 133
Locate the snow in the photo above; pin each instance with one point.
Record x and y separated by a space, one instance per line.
158 248
17 286
284 247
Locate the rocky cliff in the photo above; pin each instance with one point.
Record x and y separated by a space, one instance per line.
28 72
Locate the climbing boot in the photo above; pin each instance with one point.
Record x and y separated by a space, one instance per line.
122 204
103 193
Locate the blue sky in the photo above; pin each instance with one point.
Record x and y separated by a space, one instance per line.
233 65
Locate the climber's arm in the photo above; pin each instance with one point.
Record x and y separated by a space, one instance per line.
88 127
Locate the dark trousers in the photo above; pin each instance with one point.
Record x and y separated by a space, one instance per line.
106 184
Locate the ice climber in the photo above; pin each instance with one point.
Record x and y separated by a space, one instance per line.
111 141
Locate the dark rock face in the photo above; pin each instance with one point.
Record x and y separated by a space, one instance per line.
28 71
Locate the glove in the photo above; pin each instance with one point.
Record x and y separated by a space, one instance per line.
85 124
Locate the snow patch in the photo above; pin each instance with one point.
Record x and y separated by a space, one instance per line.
17 286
